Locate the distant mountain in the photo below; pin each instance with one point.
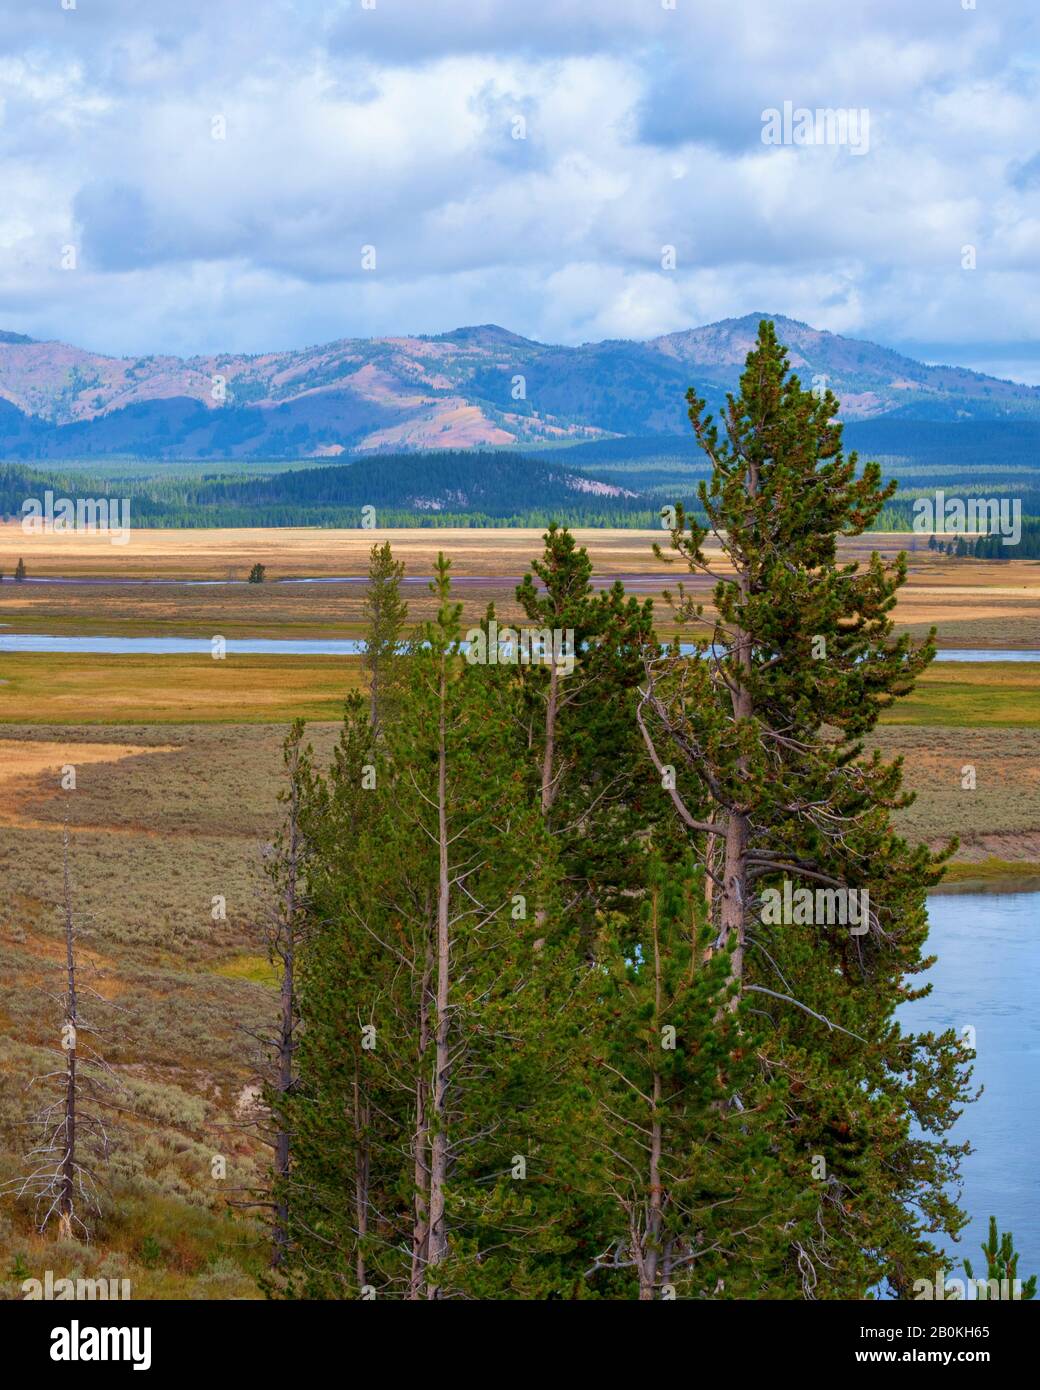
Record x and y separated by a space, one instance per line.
471 388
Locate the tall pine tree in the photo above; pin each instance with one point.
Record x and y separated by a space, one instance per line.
440 1001
767 721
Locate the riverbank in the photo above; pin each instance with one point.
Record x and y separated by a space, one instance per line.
189 686
992 876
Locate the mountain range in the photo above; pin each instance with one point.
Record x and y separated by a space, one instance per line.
475 387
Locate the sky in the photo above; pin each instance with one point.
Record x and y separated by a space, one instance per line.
199 176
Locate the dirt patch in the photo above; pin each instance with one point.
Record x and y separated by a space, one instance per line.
22 764
249 1101
1013 847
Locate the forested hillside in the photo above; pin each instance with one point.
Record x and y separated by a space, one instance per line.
447 489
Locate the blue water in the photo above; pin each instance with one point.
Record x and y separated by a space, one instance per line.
322 646
986 978
168 646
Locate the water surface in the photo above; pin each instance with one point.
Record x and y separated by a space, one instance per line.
986 978
297 646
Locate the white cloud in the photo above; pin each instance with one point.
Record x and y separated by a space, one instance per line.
395 127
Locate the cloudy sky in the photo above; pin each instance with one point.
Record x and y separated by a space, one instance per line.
218 166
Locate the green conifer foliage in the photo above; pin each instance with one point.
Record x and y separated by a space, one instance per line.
768 718
441 998
386 613
687 1166
596 786
1001 1268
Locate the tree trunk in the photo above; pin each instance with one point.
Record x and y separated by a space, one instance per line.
711 841
734 892
287 1019
362 1163
421 1223
285 1079
549 755
548 760
373 696
652 1254
735 868
439 1153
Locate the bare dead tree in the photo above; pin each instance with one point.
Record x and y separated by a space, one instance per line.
73 1132
283 940
283 928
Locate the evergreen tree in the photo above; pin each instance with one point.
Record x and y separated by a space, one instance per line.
685 1163
438 999
1001 1268
594 780
344 1152
491 1101
767 720
386 613
341 816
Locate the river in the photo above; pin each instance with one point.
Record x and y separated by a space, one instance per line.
295 646
985 978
